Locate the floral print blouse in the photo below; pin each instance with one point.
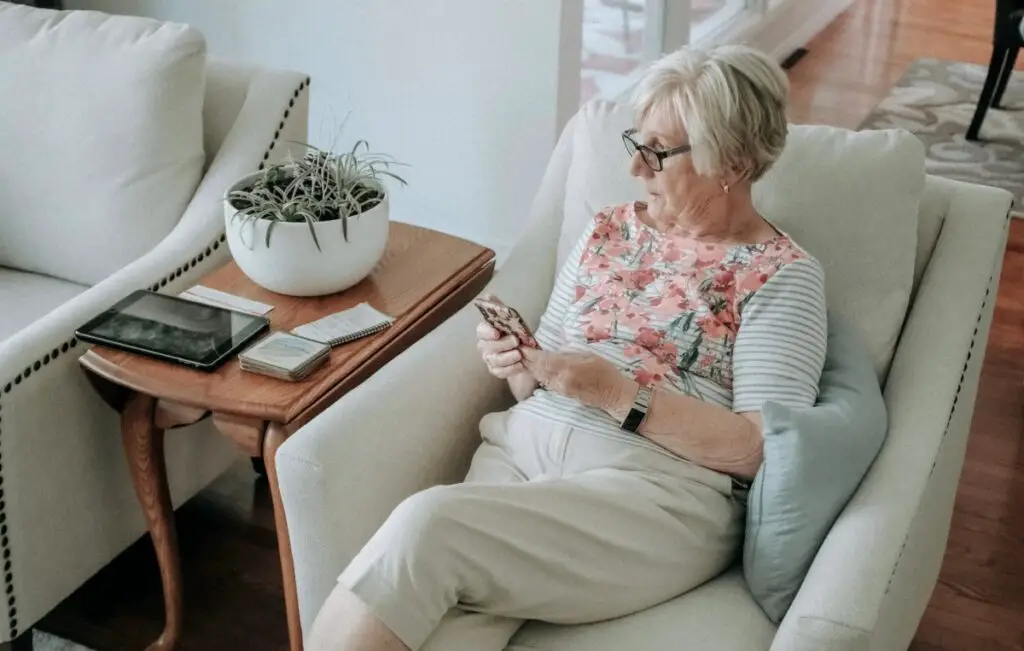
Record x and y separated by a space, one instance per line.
735 325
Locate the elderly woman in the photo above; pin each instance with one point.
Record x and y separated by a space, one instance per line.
617 481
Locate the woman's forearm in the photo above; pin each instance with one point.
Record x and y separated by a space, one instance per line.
704 433
522 385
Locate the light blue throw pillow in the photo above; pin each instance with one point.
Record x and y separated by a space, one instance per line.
814 459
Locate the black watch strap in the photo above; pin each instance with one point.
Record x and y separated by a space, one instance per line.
638 412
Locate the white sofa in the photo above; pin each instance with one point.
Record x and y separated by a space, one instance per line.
913 261
67 506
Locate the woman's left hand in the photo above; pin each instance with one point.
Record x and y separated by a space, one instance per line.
585 377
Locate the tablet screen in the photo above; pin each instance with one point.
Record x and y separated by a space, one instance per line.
172 327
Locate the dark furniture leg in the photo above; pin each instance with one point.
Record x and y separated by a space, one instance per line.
1000 57
1007 40
21 643
258 466
1004 79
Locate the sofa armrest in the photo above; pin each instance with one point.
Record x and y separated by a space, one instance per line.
411 425
44 393
874 574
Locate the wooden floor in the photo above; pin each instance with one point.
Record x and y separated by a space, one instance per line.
233 589
853 63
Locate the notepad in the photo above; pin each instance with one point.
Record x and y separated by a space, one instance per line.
345 326
217 298
284 356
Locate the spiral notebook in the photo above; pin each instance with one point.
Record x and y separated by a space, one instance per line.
345 326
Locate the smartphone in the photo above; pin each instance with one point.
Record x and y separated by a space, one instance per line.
507 321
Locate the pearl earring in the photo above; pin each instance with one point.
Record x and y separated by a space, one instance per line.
725 187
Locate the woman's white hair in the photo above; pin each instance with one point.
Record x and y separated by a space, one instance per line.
731 99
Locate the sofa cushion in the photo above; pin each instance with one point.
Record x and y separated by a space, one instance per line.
814 459
102 137
850 198
718 616
26 297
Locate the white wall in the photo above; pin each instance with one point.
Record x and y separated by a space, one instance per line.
466 91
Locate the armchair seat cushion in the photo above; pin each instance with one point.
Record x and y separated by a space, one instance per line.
26 297
721 615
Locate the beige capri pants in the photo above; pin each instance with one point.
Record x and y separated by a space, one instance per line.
551 524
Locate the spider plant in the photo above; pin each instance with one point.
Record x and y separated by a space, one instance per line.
321 186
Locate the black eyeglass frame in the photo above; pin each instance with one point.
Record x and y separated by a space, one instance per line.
632 146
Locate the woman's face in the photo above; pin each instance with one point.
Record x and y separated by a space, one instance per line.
677 189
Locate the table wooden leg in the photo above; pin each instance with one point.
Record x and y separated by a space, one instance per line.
144 447
275 436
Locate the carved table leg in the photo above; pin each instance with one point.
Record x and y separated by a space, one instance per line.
275 436
144 447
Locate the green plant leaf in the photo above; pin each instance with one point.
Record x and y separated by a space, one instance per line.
270 227
394 176
321 184
312 231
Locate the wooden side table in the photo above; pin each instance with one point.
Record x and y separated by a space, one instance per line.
423 278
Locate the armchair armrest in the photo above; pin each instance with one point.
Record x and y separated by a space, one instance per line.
411 425
874 574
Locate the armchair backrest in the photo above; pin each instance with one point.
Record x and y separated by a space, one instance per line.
850 198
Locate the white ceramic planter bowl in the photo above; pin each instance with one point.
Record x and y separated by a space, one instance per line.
292 264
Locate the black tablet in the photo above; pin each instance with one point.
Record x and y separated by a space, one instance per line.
173 329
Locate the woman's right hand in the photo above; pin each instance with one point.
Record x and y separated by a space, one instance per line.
500 354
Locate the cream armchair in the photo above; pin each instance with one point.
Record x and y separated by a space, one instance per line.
414 424
67 505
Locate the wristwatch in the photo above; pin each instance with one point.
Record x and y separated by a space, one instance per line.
638 412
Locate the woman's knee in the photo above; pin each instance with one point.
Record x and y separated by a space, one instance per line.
423 522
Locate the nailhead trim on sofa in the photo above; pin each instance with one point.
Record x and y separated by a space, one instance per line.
5 547
952 410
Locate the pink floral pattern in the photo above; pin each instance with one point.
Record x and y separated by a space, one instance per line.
673 304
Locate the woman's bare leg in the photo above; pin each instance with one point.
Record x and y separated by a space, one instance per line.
346 624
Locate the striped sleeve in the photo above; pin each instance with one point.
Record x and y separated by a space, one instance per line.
550 333
779 351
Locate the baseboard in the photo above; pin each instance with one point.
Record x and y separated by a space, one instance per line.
787 27
781 32
41 4
800 20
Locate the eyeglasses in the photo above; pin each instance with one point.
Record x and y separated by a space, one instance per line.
652 157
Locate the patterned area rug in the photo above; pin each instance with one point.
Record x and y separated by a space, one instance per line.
935 101
45 642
